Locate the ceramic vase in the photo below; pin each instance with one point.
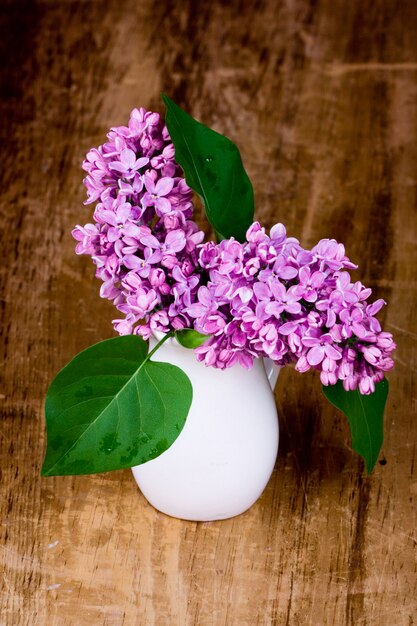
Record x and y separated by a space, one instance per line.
223 458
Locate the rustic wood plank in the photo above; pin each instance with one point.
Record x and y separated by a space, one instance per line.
321 98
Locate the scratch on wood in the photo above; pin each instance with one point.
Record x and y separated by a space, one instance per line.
338 69
357 571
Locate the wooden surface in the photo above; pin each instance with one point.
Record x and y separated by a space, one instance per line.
321 97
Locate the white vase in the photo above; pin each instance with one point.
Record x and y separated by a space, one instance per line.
224 456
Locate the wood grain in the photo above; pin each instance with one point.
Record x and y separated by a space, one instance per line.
321 98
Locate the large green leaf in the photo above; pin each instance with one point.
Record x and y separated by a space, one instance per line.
213 168
112 408
365 415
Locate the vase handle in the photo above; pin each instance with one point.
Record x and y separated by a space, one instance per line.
272 371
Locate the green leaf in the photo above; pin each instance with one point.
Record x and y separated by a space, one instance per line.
365 415
213 168
190 338
112 408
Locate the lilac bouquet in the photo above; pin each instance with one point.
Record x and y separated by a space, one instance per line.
246 296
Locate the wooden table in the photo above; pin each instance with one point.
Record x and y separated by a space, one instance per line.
321 99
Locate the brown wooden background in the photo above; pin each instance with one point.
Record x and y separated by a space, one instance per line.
321 96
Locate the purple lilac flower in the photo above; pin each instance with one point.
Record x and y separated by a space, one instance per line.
309 284
298 306
127 164
142 229
320 346
156 194
266 297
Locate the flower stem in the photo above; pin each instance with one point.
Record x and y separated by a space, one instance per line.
159 344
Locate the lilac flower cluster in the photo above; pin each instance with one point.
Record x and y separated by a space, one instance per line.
143 240
267 297
271 298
